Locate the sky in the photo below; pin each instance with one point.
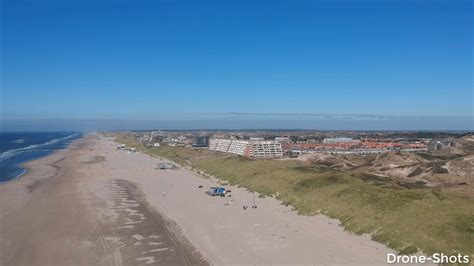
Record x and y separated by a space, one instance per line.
85 64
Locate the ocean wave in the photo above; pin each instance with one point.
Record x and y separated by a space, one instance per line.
10 153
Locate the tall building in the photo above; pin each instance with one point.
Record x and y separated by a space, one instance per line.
201 142
249 148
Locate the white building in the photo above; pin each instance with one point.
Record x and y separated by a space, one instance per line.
249 148
265 149
339 140
282 139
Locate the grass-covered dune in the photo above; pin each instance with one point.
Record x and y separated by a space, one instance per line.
405 217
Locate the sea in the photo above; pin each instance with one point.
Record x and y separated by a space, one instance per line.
17 148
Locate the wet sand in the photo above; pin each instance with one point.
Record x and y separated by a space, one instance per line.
50 217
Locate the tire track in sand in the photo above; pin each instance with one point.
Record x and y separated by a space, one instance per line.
142 235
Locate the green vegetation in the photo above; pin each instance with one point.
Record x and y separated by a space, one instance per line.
405 216
429 156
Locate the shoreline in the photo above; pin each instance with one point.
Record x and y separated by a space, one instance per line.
24 172
57 204
35 171
24 165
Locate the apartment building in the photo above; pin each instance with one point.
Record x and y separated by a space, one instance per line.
265 149
249 148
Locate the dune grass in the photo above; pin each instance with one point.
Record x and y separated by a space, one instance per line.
406 218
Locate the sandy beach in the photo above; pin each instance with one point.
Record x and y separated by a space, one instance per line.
91 204
66 212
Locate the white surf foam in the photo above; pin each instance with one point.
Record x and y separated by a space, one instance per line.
10 153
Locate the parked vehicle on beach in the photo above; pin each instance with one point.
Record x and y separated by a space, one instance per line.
216 191
120 147
163 166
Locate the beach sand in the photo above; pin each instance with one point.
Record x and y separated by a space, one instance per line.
91 204
50 216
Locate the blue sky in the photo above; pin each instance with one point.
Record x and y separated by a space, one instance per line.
161 60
